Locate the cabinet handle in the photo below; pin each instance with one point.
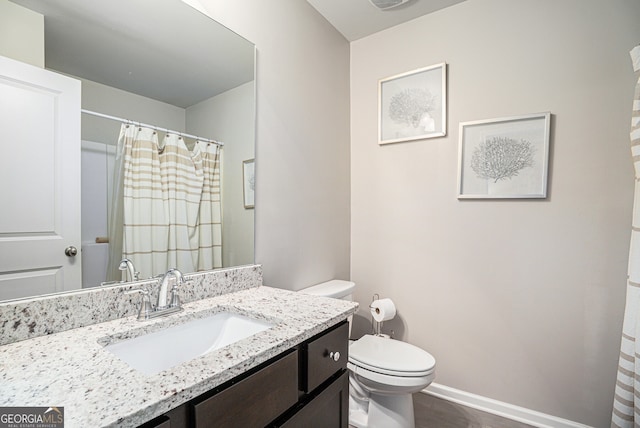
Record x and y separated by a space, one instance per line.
335 356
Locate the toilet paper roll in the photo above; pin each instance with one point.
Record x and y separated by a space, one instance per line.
383 310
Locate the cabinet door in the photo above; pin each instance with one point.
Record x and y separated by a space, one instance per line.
254 401
329 409
159 422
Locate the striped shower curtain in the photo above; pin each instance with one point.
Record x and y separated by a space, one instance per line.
626 404
171 204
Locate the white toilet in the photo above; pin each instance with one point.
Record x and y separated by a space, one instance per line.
383 372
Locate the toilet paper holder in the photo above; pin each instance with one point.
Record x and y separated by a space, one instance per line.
376 325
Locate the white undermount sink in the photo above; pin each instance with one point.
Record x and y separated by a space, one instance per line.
154 352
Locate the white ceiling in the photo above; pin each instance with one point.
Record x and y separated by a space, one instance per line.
164 50
359 18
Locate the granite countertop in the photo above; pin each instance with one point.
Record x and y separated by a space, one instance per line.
97 389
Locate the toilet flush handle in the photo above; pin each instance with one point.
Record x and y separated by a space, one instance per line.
335 356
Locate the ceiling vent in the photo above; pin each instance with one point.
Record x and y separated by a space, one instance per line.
387 4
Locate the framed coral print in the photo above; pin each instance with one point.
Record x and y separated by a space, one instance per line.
413 105
249 182
504 158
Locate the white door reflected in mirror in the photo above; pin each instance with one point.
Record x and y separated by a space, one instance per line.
40 181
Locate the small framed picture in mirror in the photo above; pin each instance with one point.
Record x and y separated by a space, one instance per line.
249 180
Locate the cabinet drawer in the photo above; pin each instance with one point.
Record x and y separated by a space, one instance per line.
254 401
317 365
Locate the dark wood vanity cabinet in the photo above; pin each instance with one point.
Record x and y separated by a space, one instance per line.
307 386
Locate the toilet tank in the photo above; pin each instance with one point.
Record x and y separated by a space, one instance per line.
336 288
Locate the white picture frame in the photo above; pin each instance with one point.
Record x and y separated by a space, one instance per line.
413 105
249 183
504 158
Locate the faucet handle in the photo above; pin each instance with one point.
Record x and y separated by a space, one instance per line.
146 307
175 298
179 280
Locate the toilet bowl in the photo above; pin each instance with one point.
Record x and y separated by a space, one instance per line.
383 372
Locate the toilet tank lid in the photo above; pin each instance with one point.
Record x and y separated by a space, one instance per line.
335 288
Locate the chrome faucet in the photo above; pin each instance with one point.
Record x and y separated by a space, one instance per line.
147 310
127 264
174 300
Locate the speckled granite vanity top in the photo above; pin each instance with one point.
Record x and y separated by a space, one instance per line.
72 369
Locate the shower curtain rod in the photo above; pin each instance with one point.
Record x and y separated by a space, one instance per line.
157 128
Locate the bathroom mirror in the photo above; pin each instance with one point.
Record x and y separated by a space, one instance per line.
159 63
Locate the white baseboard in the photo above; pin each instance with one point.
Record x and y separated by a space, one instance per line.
499 408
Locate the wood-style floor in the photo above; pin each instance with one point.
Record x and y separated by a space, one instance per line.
433 412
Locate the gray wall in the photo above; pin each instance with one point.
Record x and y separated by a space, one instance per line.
109 100
519 301
302 166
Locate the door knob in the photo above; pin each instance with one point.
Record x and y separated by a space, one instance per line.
335 356
71 251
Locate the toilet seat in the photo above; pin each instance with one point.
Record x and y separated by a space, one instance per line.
390 357
380 382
